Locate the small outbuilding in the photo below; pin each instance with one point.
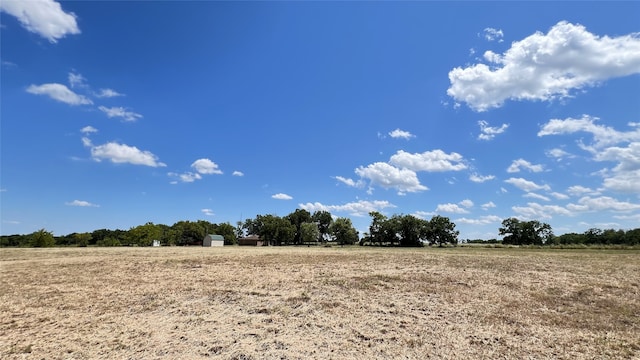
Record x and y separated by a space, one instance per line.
251 240
156 242
213 240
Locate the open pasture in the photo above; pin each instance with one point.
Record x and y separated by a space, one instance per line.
323 303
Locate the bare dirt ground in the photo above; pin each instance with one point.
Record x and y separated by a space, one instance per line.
322 303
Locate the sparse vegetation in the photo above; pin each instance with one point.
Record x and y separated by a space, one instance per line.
299 302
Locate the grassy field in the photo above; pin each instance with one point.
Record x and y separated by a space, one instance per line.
324 303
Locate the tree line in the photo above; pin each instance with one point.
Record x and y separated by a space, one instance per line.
304 228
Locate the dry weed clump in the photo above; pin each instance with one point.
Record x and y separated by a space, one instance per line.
323 303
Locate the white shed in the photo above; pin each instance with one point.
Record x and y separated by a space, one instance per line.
213 240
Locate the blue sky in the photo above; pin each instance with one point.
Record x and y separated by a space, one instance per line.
114 114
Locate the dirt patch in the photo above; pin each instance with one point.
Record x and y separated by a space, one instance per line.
294 303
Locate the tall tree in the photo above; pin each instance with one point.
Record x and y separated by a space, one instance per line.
343 231
309 233
297 218
376 231
324 220
442 231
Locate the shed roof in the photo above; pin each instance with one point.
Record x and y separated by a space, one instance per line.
216 237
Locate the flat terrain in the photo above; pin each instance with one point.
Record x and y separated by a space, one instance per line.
323 303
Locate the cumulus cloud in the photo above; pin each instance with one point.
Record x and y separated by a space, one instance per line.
120 112
59 92
122 153
358 208
237 173
603 203
206 166
578 190
401 134
609 145
43 17
544 67
526 185
451 208
521 163
81 203
281 196
479 178
537 211
388 176
488 133
430 161
487 206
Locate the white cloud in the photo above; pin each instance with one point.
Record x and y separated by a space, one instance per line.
187 177
43 17
451 208
491 34
77 80
237 173
431 161
526 185
488 133
88 130
466 203
107 93
487 206
603 136
603 203
628 182
537 211
59 92
536 196
81 203
397 133
206 166
208 212
281 196
578 190
521 163
122 153
479 178
350 182
559 196
545 67
558 154
120 112
388 176
359 208
482 220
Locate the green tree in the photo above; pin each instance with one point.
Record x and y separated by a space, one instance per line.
42 238
143 235
274 229
343 231
411 229
297 218
82 239
376 230
309 233
324 220
441 231
189 232
518 232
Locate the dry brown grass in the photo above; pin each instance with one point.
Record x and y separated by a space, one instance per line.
293 303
